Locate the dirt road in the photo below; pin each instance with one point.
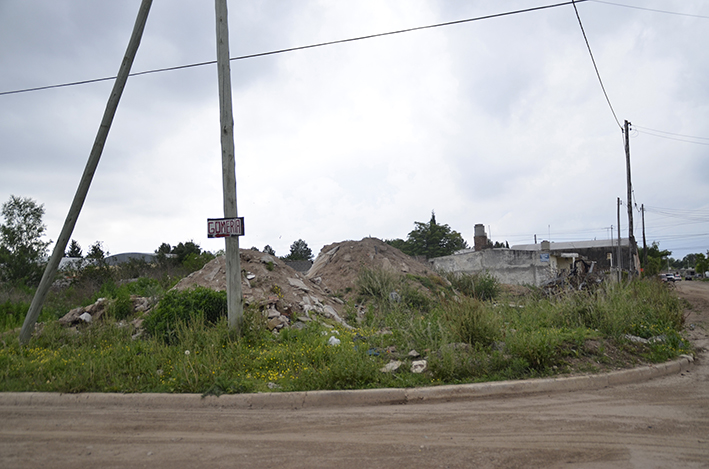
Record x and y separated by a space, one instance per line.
657 424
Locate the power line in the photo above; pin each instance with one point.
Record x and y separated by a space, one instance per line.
666 135
573 2
311 46
670 133
651 9
671 138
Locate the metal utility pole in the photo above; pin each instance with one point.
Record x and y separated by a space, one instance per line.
235 307
631 236
83 189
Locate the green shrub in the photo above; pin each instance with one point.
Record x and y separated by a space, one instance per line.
184 306
479 286
414 299
376 283
472 322
539 348
12 314
121 306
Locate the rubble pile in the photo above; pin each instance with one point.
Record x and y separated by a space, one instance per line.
287 297
338 264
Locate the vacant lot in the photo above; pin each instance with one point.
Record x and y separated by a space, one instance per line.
660 423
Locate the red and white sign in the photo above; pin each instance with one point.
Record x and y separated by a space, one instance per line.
225 227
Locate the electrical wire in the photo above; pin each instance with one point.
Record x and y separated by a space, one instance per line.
573 2
672 138
293 49
650 9
670 133
667 136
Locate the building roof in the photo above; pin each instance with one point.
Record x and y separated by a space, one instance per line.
573 245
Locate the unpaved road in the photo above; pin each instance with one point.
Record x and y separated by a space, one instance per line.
663 423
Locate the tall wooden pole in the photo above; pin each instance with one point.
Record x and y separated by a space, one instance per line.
631 235
233 262
620 250
83 189
642 210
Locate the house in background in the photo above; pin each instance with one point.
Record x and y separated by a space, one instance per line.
534 264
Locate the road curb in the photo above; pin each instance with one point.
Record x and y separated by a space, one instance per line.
364 397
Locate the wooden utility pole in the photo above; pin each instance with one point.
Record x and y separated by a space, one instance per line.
631 236
642 211
83 189
620 262
235 307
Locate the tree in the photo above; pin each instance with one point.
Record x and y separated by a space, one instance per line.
702 264
656 258
164 248
97 253
182 250
74 250
22 250
299 251
431 240
269 250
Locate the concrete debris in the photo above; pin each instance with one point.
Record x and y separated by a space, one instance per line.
635 339
286 297
297 283
640 340
391 367
78 315
419 366
333 341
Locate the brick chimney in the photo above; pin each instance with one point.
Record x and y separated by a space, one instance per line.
480 239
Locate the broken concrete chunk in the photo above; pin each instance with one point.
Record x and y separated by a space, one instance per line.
391 366
419 366
333 341
297 283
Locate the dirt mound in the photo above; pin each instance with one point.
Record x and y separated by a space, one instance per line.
268 282
288 296
338 264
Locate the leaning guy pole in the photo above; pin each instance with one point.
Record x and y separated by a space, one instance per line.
226 120
83 189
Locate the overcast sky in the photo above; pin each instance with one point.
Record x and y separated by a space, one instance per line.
500 121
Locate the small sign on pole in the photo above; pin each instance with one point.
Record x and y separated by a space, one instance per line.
225 227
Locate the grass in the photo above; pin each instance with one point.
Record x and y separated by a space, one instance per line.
463 337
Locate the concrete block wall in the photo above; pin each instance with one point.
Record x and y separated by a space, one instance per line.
508 266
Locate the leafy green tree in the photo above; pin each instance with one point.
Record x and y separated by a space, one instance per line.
431 240
21 247
656 258
701 264
299 251
164 248
269 250
398 243
74 250
182 250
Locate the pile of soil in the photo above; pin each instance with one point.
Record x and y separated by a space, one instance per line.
268 280
338 264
